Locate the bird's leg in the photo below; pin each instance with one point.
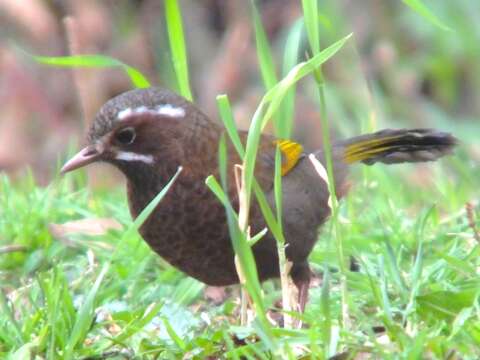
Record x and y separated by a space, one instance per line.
303 287
301 278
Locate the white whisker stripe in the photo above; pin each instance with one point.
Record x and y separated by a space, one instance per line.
131 156
165 110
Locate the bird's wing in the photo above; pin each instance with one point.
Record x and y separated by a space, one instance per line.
291 153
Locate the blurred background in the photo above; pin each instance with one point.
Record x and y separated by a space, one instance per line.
399 70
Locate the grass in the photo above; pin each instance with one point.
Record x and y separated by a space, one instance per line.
417 278
415 294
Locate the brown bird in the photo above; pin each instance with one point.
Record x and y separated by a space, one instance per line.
148 133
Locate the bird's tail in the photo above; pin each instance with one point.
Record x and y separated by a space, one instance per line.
398 146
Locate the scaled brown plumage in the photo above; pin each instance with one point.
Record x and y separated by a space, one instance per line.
148 133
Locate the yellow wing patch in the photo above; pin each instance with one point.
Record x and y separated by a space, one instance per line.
291 152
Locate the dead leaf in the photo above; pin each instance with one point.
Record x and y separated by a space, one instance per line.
93 226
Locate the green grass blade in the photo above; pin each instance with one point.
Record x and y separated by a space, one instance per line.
311 20
245 256
325 309
94 61
284 122
138 324
384 288
177 46
273 99
312 25
417 269
277 187
173 335
150 207
277 93
264 53
84 316
7 315
394 270
267 212
217 189
419 7
26 352
223 161
418 266
239 243
282 258
227 117
257 237
244 253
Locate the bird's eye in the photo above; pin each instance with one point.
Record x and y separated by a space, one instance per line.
126 136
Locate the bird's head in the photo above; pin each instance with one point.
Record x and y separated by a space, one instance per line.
137 128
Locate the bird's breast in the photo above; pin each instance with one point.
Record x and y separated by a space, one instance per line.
189 230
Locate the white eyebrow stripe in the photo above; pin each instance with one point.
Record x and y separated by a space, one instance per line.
170 110
166 110
131 156
124 113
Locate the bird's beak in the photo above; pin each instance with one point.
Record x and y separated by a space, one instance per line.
84 157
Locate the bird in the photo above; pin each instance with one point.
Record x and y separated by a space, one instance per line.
149 133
